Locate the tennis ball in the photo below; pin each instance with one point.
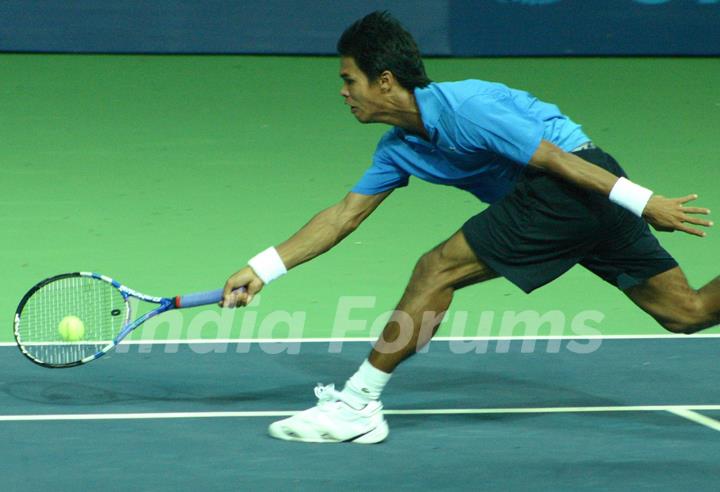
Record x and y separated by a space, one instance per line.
71 329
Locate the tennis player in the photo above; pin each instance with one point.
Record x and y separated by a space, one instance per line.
556 200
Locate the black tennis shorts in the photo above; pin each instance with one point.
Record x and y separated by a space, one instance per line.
545 226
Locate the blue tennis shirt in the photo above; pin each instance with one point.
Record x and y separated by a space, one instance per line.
482 135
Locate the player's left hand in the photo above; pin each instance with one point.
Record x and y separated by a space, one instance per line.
671 214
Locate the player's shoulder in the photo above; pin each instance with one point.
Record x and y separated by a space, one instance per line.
458 93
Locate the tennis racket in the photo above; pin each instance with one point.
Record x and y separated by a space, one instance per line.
97 306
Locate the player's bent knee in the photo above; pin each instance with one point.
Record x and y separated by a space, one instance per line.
432 269
427 267
445 266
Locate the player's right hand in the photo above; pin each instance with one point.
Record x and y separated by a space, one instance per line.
240 288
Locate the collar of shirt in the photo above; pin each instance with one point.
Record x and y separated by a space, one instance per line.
430 109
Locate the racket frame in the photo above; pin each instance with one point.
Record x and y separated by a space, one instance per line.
165 304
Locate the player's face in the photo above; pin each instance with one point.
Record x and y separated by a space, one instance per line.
363 97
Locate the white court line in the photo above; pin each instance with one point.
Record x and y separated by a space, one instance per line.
696 417
372 339
680 410
141 416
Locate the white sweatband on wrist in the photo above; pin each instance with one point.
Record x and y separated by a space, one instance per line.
268 265
630 196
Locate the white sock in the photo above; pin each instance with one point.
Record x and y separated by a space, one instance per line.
365 385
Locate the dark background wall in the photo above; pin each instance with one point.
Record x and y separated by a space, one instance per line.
442 27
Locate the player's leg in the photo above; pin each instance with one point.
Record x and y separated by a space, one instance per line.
505 239
679 308
437 275
355 413
530 237
634 261
630 257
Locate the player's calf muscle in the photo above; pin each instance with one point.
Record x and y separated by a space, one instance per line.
690 314
686 317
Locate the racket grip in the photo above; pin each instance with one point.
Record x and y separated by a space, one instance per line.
201 298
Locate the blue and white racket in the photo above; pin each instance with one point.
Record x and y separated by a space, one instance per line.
75 318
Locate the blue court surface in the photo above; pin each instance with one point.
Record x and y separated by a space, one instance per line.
605 414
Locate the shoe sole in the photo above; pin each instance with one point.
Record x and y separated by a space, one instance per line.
374 436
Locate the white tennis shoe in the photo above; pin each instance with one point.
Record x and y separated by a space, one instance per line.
333 420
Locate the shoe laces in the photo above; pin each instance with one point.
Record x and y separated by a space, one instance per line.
328 394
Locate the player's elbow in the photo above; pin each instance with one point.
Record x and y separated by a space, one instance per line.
548 157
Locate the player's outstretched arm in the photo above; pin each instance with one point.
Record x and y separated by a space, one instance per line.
325 230
664 214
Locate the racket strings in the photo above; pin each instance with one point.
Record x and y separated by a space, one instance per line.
99 306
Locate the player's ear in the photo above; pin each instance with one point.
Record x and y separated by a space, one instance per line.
386 80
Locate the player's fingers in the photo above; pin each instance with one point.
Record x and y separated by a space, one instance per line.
696 210
687 198
223 299
253 288
697 221
229 298
236 297
692 231
228 301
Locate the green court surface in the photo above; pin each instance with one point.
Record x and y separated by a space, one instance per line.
168 173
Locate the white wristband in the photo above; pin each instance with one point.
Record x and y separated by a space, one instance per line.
268 265
630 196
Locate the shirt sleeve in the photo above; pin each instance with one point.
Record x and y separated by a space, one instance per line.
382 176
495 123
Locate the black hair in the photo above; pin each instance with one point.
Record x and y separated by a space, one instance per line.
378 42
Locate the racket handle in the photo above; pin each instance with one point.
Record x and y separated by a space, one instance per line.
200 298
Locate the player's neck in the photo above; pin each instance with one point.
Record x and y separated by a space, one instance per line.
403 112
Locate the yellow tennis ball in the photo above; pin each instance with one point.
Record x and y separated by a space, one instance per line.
71 329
